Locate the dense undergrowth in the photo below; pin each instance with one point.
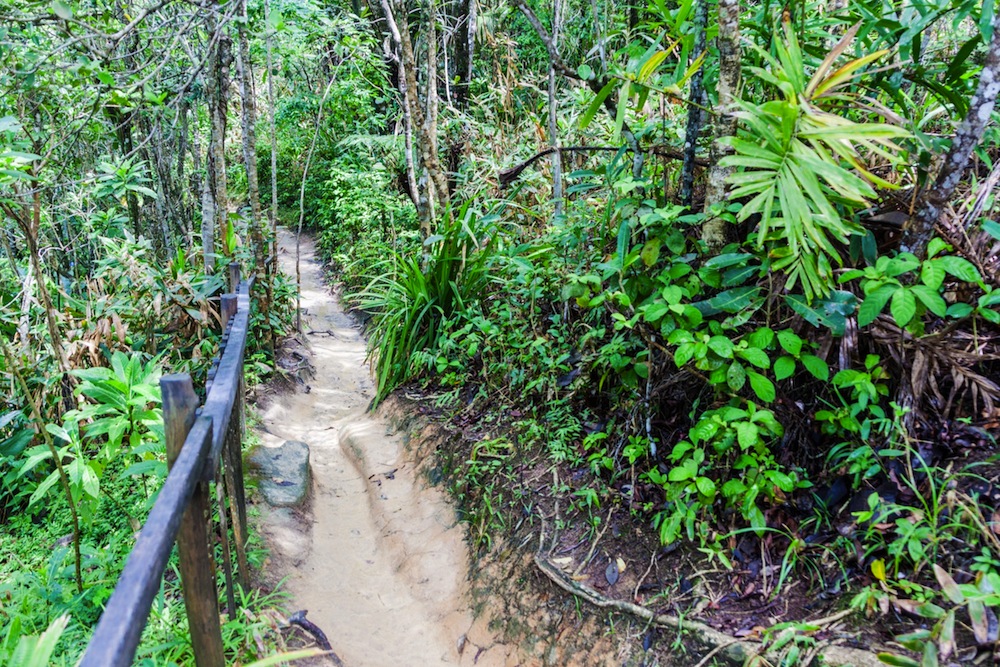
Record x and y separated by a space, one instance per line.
809 393
751 309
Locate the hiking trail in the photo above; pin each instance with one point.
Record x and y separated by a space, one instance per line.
376 556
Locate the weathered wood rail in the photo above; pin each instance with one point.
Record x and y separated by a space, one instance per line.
203 446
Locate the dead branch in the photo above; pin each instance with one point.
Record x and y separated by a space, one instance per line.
736 651
511 174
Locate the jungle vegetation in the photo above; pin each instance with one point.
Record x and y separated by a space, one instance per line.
726 271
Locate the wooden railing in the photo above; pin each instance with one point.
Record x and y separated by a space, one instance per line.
203 445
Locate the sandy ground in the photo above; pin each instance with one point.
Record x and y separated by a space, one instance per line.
377 558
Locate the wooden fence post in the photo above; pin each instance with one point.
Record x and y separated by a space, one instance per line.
234 277
201 600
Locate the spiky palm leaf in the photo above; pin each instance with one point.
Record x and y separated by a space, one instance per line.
801 162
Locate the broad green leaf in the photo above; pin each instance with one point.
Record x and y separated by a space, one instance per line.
736 376
722 346
818 368
755 356
685 471
43 488
932 274
959 267
654 312
762 386
736 299
747 434
706 486
874 303
784 367
790 342
831 311
903 306
931 299
650 251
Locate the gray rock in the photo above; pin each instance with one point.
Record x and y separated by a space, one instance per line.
283 473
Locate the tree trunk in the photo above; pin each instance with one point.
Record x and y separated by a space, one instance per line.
716 230
920 229
429 138
217 97
695 114
465 46
557 190
272 212
249 120
436 190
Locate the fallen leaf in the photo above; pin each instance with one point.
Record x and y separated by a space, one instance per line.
611 573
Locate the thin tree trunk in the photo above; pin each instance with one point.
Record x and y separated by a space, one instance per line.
272 212
207 221
249 120
439 181
464 53
695 114
715 231
437 186
217 97
918 233
557 190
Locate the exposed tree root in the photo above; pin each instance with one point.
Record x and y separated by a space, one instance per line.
732 650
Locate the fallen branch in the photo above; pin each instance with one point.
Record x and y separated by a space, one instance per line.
735 651
509 175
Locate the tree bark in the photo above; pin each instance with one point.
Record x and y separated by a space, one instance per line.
918 233
272 212
249 121
464 53
557 190
695 114
436 190
716 230
218 103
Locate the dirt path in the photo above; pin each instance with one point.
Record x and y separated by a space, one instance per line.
379 560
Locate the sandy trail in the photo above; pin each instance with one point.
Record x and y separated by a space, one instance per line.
383 567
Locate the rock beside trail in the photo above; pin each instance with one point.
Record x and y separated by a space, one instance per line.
283 472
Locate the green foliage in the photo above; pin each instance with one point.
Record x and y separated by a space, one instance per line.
910 296
408 302
20 650
799 166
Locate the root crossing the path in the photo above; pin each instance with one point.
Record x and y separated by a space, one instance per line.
377 557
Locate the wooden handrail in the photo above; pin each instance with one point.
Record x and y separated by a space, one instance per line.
199 442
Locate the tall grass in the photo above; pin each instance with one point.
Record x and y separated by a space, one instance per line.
411 296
